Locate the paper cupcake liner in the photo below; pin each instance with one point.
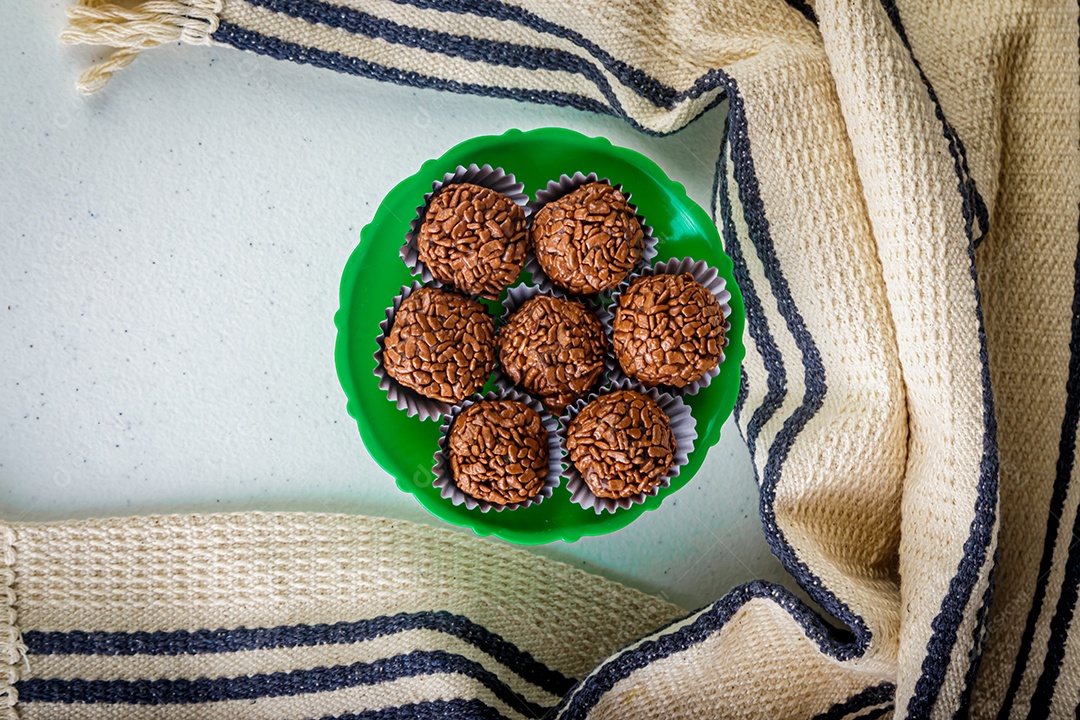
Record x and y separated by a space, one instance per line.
413 403
495 179
704 274
518 295
521 293
683 426
444 479
565 185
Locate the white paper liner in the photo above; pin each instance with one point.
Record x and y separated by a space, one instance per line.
413 403
518 295
704 274
444 479
683 425
495 179
565 185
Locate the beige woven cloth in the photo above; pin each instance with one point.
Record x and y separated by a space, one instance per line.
900 191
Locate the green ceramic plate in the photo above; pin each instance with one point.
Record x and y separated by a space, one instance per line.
374 275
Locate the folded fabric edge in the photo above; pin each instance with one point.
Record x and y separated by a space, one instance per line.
641 658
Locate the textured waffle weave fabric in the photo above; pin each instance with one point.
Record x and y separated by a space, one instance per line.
899 188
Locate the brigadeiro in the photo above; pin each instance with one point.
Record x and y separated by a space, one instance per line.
553 348
473 238
621 444
668 330
440 344
588 240
498 451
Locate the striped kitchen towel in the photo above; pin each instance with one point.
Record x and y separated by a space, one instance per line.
899 187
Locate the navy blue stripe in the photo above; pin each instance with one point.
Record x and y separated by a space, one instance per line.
720 186
459 709
251 687
182 642
946 624
869 697
577 705
655 91
658 93
803 7
813 373
461 46
740 399
1066 605
756 321
978 642
637 80
244 39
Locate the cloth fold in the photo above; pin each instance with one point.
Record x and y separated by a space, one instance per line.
899 189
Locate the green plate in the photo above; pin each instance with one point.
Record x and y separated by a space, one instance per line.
374 274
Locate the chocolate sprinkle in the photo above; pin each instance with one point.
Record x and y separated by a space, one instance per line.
498 451
474 239
442 345
589 240
668 330
554 349
621 444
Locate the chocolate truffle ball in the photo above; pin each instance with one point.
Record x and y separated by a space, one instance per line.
498 451
589 240
554 349
668 330
442 345
474 239
622 444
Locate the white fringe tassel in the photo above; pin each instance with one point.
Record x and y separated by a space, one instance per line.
132 30
12 649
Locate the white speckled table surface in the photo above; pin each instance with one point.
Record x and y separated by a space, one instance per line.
170 251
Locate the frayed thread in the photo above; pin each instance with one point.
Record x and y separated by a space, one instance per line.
132 30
